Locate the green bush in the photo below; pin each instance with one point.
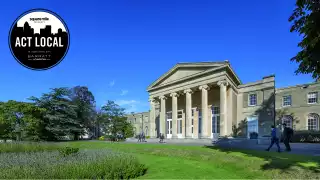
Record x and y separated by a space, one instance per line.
68 151
101 138
306 136
147 137
28 147
87 164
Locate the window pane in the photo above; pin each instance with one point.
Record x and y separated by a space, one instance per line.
214 124
287 100
312 97
313 123
199 124
179 114
252 99
216 119
218 124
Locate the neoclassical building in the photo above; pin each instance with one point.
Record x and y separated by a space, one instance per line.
207 99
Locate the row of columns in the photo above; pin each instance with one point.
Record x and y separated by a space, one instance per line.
204 109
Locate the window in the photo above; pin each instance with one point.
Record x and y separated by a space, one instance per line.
312 97
192 114
288 120
313 122
179 114
200 121
252 125
179 127
252 99
286 100
179 122
216 119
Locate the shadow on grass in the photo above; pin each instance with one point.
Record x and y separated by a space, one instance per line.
281 161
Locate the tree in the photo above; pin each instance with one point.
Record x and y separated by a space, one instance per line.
60 119
114 118
21 120
306 21
128 129
84 103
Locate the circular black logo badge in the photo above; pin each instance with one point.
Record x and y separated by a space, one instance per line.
39 39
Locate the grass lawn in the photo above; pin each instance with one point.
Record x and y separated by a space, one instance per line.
194 162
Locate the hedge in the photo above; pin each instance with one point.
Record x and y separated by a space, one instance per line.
306 136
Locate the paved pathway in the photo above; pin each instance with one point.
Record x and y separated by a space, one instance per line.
297 148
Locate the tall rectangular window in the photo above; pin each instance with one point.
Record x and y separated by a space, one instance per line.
179 122
192 115
252 99
200 124
216 119
286 100
312 97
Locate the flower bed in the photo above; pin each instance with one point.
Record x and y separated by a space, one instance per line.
83 164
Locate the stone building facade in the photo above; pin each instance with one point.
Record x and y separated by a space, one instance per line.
207 99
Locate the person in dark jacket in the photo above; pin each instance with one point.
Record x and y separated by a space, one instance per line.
287 135
274 138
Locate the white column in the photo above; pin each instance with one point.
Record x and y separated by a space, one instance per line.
163 120
174 113
188 93
204 109
152 128
223 107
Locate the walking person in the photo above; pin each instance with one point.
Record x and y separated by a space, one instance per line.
139 137
143 137
274 138
287 135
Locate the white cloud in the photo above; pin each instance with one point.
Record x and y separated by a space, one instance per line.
111 84
126 102
124 92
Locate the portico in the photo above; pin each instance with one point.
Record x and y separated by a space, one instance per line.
195 100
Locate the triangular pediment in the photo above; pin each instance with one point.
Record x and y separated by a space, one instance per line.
185 70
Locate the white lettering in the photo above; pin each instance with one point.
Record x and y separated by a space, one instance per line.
60 45
36 42
43 42
29 41
17 42
49 43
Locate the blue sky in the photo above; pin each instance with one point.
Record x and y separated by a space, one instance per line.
119 47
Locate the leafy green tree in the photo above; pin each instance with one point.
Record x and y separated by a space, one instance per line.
114 118
60 119
21 120
128 129
84 103
306 21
